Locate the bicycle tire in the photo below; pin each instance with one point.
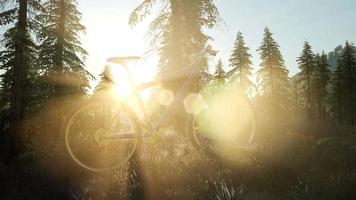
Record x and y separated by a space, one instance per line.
129 114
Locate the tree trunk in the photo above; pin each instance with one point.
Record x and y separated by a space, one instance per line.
58 59
176 57
309 106
350 87
324 113
339 116
19 82
59 76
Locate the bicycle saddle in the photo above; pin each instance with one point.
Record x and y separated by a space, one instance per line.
123 60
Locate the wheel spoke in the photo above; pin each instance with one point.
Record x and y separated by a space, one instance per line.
89 132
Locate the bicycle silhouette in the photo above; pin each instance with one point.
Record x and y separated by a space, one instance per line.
102 133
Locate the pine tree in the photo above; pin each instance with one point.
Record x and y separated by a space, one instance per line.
306 62
241 66
338 93
344 86
106 80
61 61
348 63
17 62
61 55
177 32
272 75
296 95
219 75
321 80
334 56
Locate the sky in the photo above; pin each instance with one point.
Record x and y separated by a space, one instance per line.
324 23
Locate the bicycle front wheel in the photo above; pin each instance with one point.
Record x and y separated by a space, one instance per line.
100 135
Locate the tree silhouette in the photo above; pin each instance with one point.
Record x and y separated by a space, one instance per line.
306 62
338 93
61 55
106 80
241 66
219 75
177 32
272 75
321 80
348 74
17 62
61 60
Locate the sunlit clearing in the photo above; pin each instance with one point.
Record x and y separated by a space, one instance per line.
228 121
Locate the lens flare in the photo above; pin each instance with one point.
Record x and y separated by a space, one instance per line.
122 85
228 121
165 97
194 103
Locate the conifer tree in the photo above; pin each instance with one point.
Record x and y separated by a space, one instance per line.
106 81
61 60
306 62
334 56
272 75
218 78
240 61
177 32
321 80
296 94
61 56
348 63
338 93
344 86
17 62
219 74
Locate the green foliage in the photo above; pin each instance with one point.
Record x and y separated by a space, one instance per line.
272 76
13 37
8 16
240 61
334 56
219 74
61 57
106 80
337 93
284 167
42 58
306 62
217 82
320 83
177 32
344 86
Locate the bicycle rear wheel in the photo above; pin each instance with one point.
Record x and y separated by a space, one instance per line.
227 120
100 135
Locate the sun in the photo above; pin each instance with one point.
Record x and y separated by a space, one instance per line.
142 71
105 40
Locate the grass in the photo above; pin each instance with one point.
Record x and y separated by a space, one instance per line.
278 168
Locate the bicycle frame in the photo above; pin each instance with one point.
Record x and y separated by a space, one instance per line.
153 130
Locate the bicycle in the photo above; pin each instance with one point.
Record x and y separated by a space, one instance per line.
102 133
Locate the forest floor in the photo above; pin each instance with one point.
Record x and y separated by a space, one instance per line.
283 168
